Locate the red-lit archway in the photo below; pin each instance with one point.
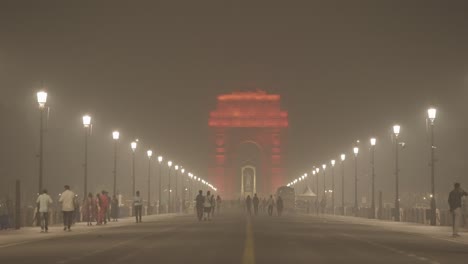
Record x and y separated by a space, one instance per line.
254 118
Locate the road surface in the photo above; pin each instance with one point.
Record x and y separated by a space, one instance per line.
235 238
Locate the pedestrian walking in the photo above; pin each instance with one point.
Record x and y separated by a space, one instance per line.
455 203
109 201
207 206
279 206
43 202
98 209
270 204
138 205
248 205
115 210
67 199
213 205
89 209
199 200
104 206
218 203
255 202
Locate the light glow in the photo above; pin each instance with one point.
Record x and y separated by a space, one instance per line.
343 157
42 98
356 150
432 113
149 153
133 145
160 159
116 135
333 163
396 130
373 141
86 120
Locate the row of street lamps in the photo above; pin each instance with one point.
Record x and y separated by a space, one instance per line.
431 116
42 101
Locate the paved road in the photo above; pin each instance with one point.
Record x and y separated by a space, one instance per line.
233 238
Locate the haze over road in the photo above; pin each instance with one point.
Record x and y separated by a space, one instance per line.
234 238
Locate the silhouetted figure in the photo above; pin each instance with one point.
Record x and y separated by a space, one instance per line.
207 206
43 203
115 210
256 202
248 204
68 207
455 203
218 203
279 206
138 205
271 204
89 209
199 200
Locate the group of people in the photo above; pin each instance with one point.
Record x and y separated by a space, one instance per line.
263 205
100 208
206 205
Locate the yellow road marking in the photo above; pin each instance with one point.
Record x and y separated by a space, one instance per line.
249 250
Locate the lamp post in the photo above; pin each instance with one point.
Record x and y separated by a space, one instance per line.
431 113
133 146
396 132
317 203
356 152
160 159
169 164
87 127
182 184
115 136
176 188
343 158
373 142
324 166
41 100
332 162
150 154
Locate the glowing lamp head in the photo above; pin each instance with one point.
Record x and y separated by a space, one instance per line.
42 98
317 170
176 167
182 170
86 120
373 141
396 130
313 172
356 151
169 163
432 113
343 157
333 163
133 145
115 135
160 159
324 166
149 153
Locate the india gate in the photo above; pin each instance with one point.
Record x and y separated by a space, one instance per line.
248 143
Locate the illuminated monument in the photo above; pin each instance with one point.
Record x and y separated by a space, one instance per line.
248 142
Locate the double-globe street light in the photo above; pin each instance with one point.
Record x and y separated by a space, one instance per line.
431 113
87 127
41 100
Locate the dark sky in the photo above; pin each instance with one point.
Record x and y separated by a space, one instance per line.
346 70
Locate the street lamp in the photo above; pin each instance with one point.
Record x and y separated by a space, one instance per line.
133 146
343 158
87 126
356 152
160 159
41 100
176 188
332 162
115 136
431 114
396 132
149 153
373 142
169 164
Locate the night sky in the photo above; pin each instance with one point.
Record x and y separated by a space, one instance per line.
346 70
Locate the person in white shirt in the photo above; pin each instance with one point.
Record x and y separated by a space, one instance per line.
43 202
68 207
138 205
